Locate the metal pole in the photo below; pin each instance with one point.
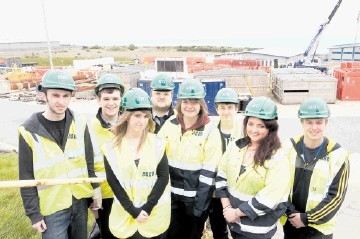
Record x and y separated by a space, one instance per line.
47 36
357 27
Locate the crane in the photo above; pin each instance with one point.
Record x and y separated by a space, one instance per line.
311 49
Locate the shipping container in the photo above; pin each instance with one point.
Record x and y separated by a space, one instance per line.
348 87
211 88
253 82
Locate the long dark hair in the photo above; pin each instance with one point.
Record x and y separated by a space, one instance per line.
269 145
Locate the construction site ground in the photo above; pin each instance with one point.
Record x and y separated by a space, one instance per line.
343 127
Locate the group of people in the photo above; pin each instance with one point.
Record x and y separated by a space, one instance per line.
169 170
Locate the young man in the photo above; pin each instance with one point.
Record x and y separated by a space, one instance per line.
109 91
55 144
226 105
162 90
320 172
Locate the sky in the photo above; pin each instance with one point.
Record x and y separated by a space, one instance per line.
237 23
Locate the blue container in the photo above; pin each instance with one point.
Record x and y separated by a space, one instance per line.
145 85
211 89
212 86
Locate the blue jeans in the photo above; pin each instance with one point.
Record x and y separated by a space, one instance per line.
70 223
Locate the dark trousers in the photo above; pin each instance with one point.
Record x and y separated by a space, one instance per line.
235 235
217 221
103 219
184 225
291 232
138 236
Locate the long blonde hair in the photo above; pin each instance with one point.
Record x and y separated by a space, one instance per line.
120 128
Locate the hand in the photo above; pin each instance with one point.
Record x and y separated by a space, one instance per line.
97 199
94 212
40 226
230 215
295 220
143 216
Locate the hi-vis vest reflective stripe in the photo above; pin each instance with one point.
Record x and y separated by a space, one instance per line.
50 162
323 174
99 136
138 183
268 184
192 151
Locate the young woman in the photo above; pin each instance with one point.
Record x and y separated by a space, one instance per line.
193 146
254 175
137 172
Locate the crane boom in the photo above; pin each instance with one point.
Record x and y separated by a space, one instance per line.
315 41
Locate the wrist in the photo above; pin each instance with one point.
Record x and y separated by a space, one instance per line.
227 206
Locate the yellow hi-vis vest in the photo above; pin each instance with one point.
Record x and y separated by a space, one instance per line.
323 174
99 136
50 162
138 183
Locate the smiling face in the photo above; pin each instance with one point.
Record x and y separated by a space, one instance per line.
109 101
256 130
190 108
58 101
161 100
314 129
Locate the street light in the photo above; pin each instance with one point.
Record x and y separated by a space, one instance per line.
47 36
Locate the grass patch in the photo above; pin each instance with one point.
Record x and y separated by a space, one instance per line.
57 61
14 223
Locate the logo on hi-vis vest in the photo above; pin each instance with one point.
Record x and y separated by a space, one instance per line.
71 136
148 174
325 158
197 133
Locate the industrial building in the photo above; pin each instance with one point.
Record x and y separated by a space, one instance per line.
25 46
267 56
345 52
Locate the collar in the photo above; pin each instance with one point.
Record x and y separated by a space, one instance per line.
104 123
167 115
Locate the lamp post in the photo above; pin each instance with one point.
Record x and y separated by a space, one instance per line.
47 36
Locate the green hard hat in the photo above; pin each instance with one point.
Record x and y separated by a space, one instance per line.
313 108
57 79
191 89
162 82
109 81
227 95
136 98
261 107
